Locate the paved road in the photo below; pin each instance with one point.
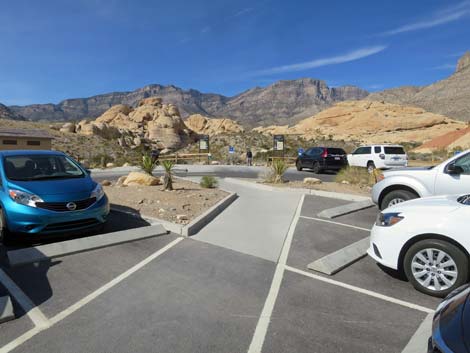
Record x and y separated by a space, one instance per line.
219 171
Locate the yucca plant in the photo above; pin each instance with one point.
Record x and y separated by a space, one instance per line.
278 168
168 177
147 164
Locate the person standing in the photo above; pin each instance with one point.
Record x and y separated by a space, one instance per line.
249 157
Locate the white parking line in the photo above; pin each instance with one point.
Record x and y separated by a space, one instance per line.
259 336
336 223
62 315
361 290
33 312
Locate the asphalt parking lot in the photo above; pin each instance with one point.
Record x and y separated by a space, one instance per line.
170 294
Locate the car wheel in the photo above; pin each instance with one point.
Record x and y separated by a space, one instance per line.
370 167
298 165
4 234
395 197
316 167
436 267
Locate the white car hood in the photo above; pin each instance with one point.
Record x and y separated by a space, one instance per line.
442 203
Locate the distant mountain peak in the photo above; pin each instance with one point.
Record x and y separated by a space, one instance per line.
285 102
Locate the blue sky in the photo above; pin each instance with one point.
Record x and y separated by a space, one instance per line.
51 50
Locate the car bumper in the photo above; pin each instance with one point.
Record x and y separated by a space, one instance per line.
385 246
31 220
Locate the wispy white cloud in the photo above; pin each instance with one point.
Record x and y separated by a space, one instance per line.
243 11
343 58
447 15
444 67
206 29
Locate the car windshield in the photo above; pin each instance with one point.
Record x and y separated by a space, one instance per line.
40 167
394 150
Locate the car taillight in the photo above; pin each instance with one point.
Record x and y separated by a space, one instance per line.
382 156
324 154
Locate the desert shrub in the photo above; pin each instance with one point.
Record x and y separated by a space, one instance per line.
147 164
168 176
357 176
208 182
277 170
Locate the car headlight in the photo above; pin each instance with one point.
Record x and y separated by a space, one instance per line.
388 219
97 192
24 198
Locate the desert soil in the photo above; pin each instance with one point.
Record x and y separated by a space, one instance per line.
188 200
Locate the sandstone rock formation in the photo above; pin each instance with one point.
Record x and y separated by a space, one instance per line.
458 139
450 97
139 178
203 125
372 122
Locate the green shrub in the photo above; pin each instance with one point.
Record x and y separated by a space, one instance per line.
208 182
357 176
147 164
278 168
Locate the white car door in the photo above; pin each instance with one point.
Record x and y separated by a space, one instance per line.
448 182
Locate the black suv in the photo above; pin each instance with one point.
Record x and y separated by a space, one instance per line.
322 158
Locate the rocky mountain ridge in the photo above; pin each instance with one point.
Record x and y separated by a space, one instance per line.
274 104
450 97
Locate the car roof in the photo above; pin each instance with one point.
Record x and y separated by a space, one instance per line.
30 152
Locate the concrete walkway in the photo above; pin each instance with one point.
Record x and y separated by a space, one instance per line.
255 224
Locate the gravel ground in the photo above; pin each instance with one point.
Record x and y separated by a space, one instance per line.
187 201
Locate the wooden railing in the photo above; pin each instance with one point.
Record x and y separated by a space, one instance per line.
288 160
185 157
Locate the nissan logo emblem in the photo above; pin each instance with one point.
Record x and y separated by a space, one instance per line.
72 206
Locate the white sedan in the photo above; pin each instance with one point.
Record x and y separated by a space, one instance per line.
428 239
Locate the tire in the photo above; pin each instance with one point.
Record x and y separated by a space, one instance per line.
370 167
316 168
5 237
395 197
433 281
298 165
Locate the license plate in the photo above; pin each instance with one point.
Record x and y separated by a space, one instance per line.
337 158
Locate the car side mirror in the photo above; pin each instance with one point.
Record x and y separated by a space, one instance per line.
88 171
454 169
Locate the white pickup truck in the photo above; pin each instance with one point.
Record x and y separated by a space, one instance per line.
399 185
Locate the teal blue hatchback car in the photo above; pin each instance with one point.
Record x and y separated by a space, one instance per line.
47 192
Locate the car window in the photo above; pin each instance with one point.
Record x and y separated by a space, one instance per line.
363 150
464 163
40 167
394 150
378 149
336 151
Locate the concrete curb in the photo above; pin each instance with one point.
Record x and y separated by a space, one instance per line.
68 247
328 194
346 209
199 222
6 309
194 226
335 262
419 342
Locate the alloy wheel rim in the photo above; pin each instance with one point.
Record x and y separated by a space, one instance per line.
434 269
395 201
